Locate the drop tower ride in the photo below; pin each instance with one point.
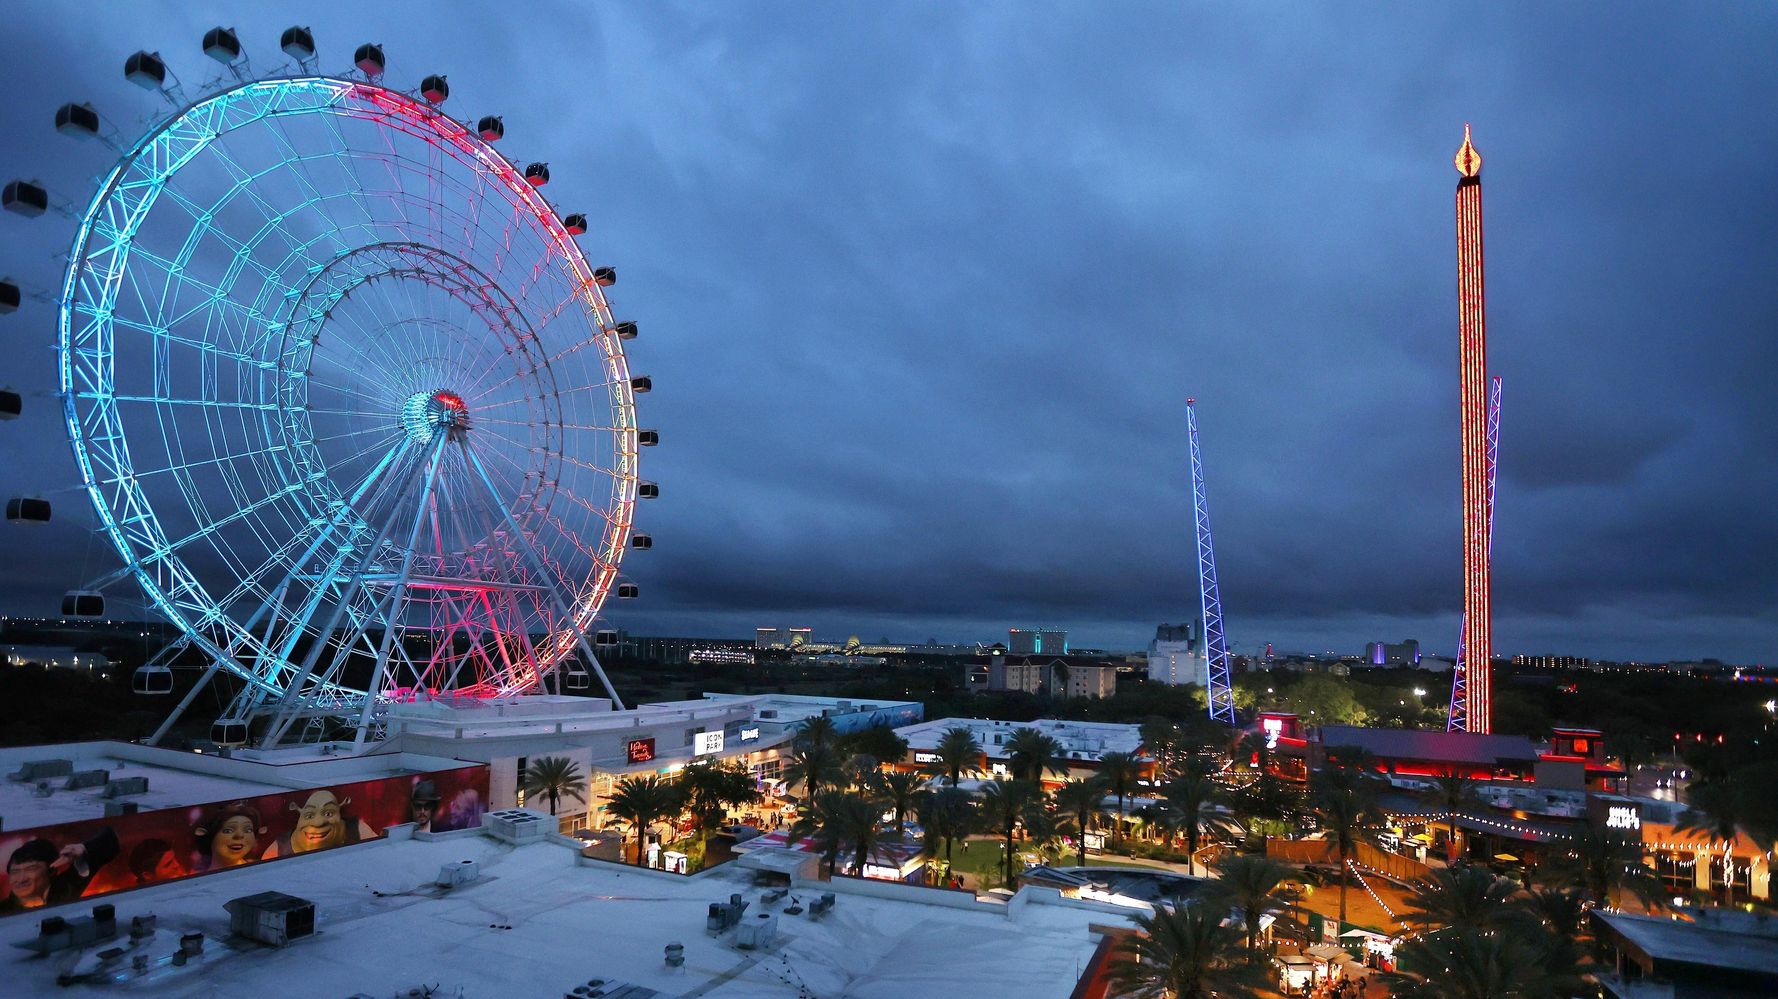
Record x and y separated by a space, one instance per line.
1470 701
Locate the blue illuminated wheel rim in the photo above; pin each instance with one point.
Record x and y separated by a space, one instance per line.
333 369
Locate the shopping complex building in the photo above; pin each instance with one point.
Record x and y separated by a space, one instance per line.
1532 798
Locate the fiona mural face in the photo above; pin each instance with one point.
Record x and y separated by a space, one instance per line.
235 841
319 824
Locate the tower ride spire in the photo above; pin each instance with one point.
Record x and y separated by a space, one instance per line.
1472 352
1219 678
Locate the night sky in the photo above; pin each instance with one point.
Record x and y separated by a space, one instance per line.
923 288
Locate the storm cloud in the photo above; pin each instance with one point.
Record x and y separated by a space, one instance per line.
923 289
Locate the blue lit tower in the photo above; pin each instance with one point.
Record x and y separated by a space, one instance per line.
1459 688
1216 653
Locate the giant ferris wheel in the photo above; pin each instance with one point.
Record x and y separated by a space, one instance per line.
346 397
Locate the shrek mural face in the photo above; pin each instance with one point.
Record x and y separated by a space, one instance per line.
234 843
319 823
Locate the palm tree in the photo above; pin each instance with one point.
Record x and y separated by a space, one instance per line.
946 814
1477 964
862 770
1465 898
555 777
1195 800
841 819
1031 753
814 765
1006 803
643 801
898 789
1081 800
1346 803
958 752
1044 830
817 731
1558 910
1714 812
711 788
1451 792
1606 867
1164 742
1120 772
1256 886
1182 953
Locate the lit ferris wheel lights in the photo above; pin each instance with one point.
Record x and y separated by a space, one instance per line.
344 393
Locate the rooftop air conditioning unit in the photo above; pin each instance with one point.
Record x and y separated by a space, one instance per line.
517 825
271 917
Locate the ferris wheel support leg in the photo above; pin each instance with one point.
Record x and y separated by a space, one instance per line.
538 564
286 716
169 653
397 594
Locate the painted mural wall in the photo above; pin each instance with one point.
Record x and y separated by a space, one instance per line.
50 865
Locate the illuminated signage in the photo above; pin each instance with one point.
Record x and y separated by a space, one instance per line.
1273 728
925 757
1623 817
1094 842
705 743
749 734
640 750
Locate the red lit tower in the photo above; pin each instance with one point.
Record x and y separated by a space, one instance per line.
1470 710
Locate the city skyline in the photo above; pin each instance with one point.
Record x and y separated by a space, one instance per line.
923 317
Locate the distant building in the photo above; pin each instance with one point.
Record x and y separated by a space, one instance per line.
1404 653
1083 743
56 657
1021 642
1056 676
1176 656
1553 662
770 638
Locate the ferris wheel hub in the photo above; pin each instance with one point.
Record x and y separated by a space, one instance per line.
424 414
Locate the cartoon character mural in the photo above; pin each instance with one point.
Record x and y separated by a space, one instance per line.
52 865
321 823
227 836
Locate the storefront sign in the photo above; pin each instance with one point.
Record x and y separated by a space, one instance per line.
925 757
1273 728
749 734
641 750
706 743
1623 817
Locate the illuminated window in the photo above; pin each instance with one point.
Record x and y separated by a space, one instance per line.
1582 747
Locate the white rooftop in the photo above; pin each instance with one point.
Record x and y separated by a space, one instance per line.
540 922
177 778
797 707
22 808
1079 739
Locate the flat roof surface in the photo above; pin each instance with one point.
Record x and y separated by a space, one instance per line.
1740 944
1090 739
1437 747
536 924
21 808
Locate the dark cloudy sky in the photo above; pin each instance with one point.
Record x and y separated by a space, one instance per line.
924 286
